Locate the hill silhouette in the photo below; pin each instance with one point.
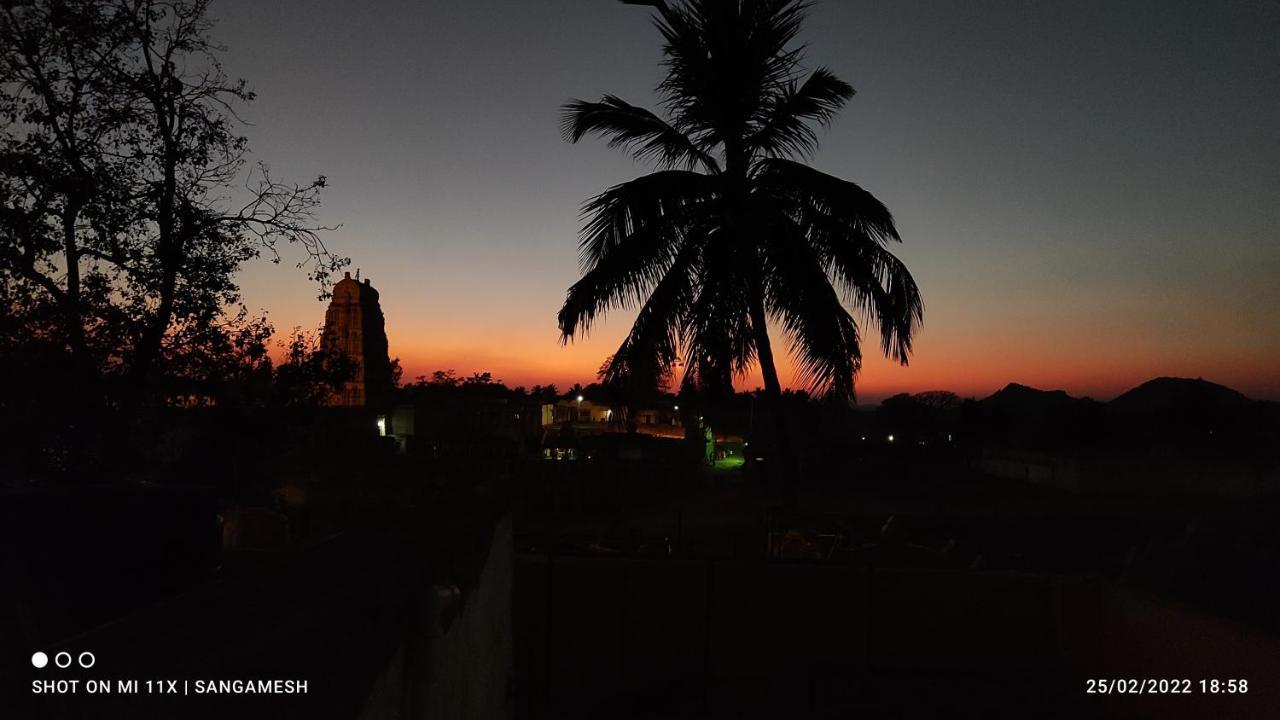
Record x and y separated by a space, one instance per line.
1167 394
1022 400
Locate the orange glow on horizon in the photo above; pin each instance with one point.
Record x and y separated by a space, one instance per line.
970 355
968 371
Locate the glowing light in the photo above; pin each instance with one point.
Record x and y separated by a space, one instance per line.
579 398
382 426
890 438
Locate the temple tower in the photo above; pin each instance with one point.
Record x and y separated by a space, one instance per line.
354 327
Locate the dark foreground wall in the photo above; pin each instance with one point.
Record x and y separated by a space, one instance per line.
72 558
455 664
377 626
1147 636
626 637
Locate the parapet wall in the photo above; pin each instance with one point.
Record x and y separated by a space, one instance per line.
734 639
1134 475
455 662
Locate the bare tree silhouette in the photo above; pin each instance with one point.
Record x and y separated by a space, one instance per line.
122 156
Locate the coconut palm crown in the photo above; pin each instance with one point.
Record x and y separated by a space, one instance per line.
733 230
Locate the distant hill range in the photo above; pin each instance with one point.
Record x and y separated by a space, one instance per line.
1166 437
1160 394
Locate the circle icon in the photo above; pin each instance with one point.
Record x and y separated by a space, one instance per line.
92 660
39 659
60 662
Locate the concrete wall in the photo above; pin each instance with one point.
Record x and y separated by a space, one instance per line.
456 662
740 638
1144 636
1140 476
734 639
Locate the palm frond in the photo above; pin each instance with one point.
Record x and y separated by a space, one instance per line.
880 284
823 335
785 125
722 60
719 342
635 129
653 345
632 268
850 229
652 205
844 202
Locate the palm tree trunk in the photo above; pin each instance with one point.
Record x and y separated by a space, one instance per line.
783 470
764 349
737 166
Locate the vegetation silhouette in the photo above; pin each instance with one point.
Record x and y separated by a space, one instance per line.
733 230
127 208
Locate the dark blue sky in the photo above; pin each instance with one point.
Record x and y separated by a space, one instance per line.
1087 190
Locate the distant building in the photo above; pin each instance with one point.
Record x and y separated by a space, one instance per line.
354 327
453 425
584 412
596 417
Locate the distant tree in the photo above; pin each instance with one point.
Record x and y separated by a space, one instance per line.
443 378
447 383
220 361
121 153
921 415
480 379
544 392
307 376
626 395
397 373
942 400
901 407
732 231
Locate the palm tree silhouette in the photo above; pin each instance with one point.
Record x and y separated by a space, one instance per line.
732 231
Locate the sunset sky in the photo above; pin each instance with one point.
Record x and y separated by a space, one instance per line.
1089 192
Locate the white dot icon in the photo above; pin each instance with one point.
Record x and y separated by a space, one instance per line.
39 659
